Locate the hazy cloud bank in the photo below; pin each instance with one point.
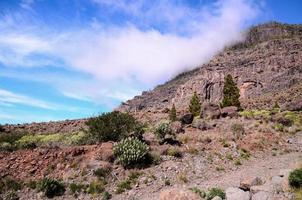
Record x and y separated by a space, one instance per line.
159 41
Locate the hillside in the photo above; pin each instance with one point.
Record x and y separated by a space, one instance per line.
267 68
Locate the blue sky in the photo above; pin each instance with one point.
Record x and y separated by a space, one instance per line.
66 59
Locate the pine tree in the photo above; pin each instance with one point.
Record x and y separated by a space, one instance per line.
194 106
172 114
230 93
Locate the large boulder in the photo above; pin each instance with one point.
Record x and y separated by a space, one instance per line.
210 111
230 111
187 118
178 194
234 193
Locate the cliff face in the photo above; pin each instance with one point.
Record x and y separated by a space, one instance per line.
267 68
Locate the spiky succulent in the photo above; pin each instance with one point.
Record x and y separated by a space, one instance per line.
130 151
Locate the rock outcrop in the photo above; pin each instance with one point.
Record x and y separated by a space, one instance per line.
267 68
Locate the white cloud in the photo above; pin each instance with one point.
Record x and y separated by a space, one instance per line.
7 97
131 55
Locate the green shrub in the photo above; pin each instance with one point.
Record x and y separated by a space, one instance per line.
172 114
295 178
127 183
230 93
175 152
237 162
130 152
11 195
238 130
102 173
163 130
51 187
8 140
278 127
213 192
106 195
5 146
96 187
32 184
195 107
76 188
113 126
8 184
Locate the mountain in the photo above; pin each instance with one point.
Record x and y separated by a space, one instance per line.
267 68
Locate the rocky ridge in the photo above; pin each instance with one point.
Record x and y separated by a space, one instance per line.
267 68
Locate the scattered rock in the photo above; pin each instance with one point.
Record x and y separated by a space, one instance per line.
217 198
201 124
187 118
177 127
178 194
233 193
246 183
106 152
230 111
261 196
210 111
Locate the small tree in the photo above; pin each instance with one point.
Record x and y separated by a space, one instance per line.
230 93
172 114
194 106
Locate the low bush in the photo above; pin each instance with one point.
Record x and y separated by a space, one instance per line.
175 152
257 114
295 178
127 183
11 195
31 141
51 187
113 126
163 130
278 127
213 192
102 173
9 184
96 187
76 188
7 141
106 195
238 130
131 152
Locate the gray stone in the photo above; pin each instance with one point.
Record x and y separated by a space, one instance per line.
261 196
247 182
210 111
230 111
217 198
177 127
234 193
187 118
258 188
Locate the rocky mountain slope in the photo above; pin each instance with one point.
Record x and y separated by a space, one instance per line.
267 67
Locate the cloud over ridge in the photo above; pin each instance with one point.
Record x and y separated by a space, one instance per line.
158 41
